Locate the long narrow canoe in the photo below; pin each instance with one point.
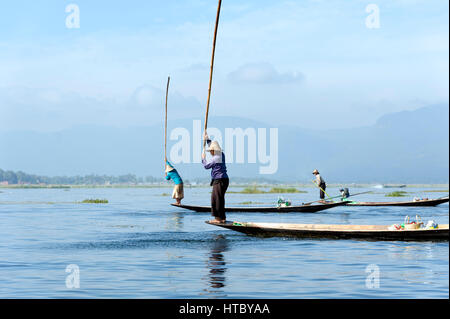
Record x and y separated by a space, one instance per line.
421 203
289 209
366 232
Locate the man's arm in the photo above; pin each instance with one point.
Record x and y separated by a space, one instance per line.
209 164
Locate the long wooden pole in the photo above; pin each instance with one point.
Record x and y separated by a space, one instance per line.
212 68
321 189
340 196
165 125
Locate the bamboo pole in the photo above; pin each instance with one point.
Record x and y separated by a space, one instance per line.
334 197
165 125
321 189
212 68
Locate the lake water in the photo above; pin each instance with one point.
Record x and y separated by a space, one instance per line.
137 246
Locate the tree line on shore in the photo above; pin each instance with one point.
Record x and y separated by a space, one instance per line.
13 178
19 177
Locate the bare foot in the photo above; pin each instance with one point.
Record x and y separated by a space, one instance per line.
215 221
178 204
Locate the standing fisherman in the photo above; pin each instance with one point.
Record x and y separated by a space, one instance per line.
219 179
320 183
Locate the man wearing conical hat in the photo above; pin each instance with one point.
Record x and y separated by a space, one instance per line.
178 191
321 183
219 179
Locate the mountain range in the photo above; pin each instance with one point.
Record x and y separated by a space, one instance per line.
403 147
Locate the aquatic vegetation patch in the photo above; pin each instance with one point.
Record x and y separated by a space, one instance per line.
273 190
251 190
95 201
283 190
396 194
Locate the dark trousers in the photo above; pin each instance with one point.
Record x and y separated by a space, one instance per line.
220 186
322 193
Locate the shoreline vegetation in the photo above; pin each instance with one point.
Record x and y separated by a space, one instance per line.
19 179
86 201
206 185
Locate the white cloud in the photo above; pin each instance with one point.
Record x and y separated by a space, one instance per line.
44 109
147 96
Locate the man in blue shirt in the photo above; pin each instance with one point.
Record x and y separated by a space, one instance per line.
178 191
219 179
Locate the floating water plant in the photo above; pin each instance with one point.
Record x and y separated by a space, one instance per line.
95 201
396 194
251 190
273 190
283 190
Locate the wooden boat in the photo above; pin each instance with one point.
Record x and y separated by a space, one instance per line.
288 209
366 232
424 202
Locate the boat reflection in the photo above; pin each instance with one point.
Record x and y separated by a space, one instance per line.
345 218
174 222
217 266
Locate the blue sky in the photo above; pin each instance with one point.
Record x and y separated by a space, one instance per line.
309 63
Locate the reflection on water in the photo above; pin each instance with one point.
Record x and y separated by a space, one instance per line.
175 221
413 262
411 251
345 218
217 265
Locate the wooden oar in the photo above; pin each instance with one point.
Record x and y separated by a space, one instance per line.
212 68
165 125
316 201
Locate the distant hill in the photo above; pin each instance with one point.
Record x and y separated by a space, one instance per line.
409 147
404 147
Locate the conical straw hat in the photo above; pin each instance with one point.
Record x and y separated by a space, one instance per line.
214 146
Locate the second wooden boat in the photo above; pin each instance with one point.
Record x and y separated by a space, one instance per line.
288 209
421 203
366 232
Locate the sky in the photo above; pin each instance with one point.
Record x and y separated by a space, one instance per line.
311 63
